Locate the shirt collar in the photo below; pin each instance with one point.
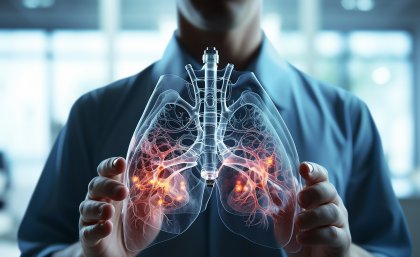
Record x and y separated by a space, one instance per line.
173 61
274 74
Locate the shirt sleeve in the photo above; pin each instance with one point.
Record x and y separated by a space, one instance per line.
51 219
376 219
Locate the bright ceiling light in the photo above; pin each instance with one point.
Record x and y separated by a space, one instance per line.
361 5
33 4
348 4
365 5
381 75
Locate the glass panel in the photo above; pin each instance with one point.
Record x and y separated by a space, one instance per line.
23 102
385 86
24 113
329 44
78 61
14 43
138 49
380 73
78 44
374 44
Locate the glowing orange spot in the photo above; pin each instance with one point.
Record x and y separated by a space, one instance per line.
166 186
138 185
245 189
238 188
238 182
269 161
135 179
160 201
152 181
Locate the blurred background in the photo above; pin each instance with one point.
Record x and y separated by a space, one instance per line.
52 51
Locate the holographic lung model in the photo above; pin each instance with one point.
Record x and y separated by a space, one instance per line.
210 131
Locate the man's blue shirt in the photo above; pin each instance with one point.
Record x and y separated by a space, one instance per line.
328 125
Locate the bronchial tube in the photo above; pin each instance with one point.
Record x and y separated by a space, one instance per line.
209 168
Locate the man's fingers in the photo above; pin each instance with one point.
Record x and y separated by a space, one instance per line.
324 219
111 167
331 236
97 210
313 173
318 194
106 188
325 215
92 235
94 211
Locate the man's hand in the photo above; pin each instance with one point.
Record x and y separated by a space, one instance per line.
322 226
100 225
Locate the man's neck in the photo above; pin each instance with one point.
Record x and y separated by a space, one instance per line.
238 46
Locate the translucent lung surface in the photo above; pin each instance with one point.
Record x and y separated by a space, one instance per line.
219 128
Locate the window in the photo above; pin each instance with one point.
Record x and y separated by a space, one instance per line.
376 66
380 72
23 102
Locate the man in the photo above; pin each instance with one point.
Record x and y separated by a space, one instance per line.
349 210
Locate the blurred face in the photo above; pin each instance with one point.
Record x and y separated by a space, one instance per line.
218 15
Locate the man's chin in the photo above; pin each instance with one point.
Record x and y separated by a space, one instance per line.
219 24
